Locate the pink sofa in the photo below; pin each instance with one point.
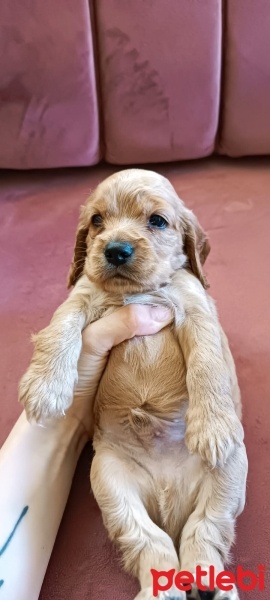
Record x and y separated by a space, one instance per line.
171 80
176 80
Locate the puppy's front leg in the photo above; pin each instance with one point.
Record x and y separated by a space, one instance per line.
213 427
46 389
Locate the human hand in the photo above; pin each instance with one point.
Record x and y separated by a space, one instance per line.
98 339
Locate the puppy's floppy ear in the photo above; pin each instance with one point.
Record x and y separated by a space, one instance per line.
196 245
80 249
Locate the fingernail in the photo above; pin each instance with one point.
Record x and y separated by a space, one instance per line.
160 313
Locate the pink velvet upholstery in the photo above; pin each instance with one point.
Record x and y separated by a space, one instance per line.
245 116
48 100
160 78
39 215
179 79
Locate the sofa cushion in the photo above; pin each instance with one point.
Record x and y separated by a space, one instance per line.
160 78
48 101
245 116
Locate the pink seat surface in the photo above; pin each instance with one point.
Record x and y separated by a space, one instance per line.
48 99
245 112
39 213
160 66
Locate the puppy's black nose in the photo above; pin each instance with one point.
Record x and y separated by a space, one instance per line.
118 253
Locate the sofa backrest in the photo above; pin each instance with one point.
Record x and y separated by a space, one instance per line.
132 82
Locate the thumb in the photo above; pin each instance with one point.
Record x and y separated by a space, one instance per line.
151 319
124 323
160 314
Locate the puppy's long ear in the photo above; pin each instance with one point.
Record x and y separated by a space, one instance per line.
80 249
196 245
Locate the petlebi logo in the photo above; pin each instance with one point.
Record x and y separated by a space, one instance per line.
245 580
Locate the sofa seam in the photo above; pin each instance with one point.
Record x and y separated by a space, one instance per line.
223 72
96 51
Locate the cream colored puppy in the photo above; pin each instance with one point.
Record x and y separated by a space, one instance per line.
169 471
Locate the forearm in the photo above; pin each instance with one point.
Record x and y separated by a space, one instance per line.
37 464
36 470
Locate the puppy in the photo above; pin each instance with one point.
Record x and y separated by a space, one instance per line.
169 471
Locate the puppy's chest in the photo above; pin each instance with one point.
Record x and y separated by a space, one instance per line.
144 381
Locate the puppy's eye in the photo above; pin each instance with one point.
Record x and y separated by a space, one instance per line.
96 220
157 221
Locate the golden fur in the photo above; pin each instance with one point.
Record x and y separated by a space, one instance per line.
170 465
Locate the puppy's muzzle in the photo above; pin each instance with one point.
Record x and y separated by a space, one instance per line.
118 253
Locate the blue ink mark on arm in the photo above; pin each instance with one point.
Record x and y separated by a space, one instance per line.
1 582
2 550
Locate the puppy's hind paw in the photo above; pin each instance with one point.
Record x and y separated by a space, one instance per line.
217 594
196 594
226 595
172 594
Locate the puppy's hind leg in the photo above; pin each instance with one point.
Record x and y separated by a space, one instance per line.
121 487
209 531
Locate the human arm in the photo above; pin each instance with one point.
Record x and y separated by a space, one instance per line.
37 463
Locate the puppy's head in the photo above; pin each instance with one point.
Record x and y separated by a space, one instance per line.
134 233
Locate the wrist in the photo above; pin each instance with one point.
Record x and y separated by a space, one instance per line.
59 436
74 434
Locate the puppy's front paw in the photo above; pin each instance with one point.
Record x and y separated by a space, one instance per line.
213 436
46 394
